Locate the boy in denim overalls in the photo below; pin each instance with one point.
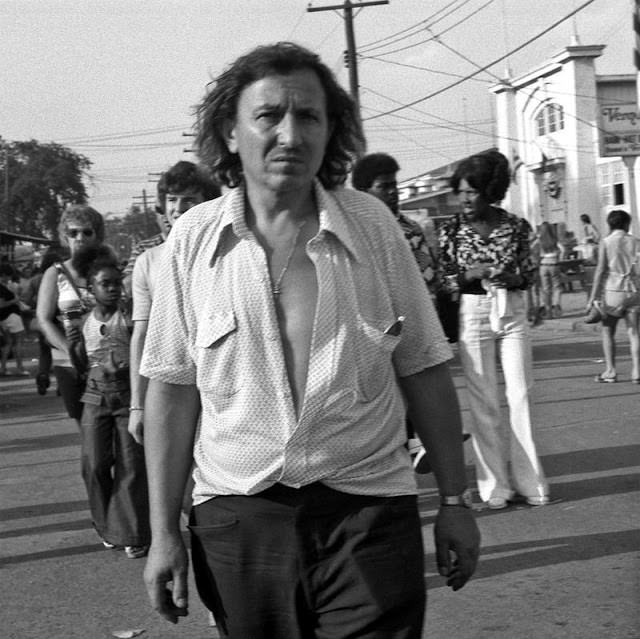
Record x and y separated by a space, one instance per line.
113 466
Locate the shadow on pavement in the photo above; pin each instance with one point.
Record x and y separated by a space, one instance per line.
548 552
61 526
27 444
40 510
591 460
53 553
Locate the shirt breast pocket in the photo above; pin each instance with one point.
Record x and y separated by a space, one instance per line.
217 353
375 350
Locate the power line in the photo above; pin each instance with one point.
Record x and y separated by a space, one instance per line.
418 68
119 136
434 37
487 66
372 45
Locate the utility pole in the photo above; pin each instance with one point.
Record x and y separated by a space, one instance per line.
347 8
145 208
5 209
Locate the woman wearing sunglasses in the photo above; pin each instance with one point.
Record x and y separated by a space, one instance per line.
64 297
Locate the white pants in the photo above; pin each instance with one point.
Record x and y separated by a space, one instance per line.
495 444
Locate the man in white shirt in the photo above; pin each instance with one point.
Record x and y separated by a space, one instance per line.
182 186
293 318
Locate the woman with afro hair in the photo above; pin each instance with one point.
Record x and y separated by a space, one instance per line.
485 254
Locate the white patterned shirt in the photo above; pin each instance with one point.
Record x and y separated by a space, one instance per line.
143 281
213 323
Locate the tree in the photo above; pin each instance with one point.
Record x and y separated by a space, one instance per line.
43 180
123 232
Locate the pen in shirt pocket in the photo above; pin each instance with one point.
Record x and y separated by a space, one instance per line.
395 328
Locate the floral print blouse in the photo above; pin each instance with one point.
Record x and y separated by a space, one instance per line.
421 251
507 246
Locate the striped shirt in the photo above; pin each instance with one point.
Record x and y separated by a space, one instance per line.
139 249
213 323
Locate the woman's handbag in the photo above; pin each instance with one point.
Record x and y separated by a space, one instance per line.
448 297
448 307
596 313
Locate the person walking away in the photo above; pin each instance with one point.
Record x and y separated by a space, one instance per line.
550 280
616 284
589 240
64 297
113 466
293 318
11 324
488 248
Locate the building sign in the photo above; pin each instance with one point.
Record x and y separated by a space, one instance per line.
619 129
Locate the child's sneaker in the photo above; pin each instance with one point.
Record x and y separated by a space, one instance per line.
135 552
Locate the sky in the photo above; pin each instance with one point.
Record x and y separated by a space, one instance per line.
117 80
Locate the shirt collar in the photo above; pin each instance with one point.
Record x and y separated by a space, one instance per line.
231 219
331 219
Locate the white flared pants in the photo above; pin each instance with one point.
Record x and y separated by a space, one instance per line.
495 443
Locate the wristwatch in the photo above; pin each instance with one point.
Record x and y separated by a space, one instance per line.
463 499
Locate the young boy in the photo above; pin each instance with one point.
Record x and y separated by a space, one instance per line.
181 187
113 466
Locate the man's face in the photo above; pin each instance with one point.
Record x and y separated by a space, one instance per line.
178 203
385 188
281 131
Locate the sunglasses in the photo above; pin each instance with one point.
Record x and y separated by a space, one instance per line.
79 232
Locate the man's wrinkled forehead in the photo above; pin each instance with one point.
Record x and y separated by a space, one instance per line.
283 76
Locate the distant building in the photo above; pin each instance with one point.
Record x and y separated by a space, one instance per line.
553 123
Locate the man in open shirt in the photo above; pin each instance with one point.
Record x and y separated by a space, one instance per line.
293 316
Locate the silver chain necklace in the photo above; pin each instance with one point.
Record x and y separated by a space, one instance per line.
276 288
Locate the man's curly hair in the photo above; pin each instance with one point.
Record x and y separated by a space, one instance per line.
220 106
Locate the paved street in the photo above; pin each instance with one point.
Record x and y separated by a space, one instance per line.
567 570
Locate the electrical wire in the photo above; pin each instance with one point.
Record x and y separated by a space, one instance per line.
434 37
487 66
373 46
418 68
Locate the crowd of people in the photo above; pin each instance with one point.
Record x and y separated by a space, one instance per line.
272 362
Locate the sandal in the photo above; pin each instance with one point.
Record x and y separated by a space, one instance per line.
606 379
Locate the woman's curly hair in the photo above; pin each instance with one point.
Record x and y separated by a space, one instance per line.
487 172
220 105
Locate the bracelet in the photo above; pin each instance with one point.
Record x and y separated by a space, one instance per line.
132 408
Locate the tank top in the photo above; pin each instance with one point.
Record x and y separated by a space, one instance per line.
68 299
107 342
622 256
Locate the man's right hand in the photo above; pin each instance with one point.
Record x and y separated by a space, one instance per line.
167 563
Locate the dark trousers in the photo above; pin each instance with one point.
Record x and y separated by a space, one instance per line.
310 563
71 386
113 469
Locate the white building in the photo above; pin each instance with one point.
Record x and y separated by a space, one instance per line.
549 123
549 126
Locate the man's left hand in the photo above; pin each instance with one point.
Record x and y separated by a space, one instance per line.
457 540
